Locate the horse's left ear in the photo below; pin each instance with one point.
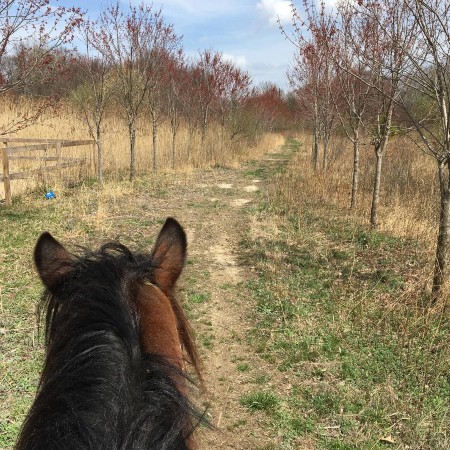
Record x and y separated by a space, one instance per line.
52 260
169 254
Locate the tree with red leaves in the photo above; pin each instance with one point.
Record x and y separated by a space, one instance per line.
48 27
175 90
220 89
162 75
304 80
93 96
389 26
132 42
426 100
236 89
270 109
354 39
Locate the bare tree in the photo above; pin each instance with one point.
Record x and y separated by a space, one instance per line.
162 58
304 80
92 97
353 81
129 42
175 89
428 78
32 31
389 27
210 81
236 89
312 71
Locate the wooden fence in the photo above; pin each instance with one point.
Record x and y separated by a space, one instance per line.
10 153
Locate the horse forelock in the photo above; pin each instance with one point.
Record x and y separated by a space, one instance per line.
184 332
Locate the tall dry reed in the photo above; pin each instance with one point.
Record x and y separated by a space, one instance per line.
216 149
409 186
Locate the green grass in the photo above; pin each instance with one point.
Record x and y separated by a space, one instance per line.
20 349
198 297
207 340
338 316
291 145
260 401
260 173
243 367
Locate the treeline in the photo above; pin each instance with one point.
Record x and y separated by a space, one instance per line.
371 70
132 64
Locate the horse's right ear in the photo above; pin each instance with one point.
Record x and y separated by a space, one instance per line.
169 254
52 260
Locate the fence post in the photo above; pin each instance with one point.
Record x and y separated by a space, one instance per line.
6 180
58 155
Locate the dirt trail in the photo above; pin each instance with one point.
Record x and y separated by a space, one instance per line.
213 206
223 321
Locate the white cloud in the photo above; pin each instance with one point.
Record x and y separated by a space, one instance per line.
273 10
239 60
329 4
189 9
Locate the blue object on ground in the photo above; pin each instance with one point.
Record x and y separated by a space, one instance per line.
49 195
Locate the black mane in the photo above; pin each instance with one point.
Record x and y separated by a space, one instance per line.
98 388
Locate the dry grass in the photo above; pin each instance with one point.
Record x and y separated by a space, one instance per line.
409 196
191 152
341 307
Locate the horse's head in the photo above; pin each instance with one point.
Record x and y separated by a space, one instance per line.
117 340
164 330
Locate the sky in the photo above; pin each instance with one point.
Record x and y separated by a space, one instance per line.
245 31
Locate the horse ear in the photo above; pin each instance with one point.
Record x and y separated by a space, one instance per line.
52 260
169 254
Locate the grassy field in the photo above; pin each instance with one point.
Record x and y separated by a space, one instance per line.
359 363
312 328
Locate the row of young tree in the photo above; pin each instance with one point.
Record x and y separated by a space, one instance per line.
131 63
372 69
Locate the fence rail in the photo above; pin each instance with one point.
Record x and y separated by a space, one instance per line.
9 153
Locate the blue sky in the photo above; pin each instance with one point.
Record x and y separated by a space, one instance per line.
243 30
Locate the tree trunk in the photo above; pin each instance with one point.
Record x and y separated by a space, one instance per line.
222 138
132 133
99 156
384 132
326 146
376 188
315 149
355 175
174 137
442 246
191 143
205 123
155 141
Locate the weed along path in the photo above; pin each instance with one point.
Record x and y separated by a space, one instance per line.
215 207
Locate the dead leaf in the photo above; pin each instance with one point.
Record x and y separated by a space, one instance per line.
388 440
